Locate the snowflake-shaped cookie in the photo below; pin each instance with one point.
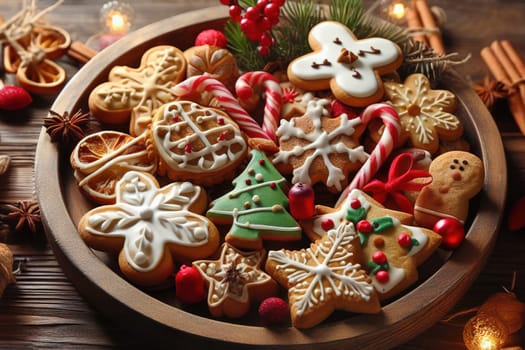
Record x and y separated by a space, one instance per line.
392 248
235 280
351 68
151 227
318 148
425 114
325 277
138 92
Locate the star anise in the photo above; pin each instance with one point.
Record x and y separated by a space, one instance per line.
489 90
23 214
66 128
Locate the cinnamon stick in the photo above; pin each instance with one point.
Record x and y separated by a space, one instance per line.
434 37
414 22
516 104
80 52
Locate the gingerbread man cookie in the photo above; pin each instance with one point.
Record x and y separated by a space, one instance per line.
150 227
351 68
196 143
324 277
457 177
136 93
392 247
235 281
425 114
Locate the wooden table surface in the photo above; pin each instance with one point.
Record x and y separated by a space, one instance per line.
43 309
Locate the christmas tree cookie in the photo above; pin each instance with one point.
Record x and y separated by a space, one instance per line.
392 248
255 207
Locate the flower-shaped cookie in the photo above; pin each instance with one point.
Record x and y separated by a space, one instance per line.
351 68
392 249
235 280
324 277
425 114
151 227
139 91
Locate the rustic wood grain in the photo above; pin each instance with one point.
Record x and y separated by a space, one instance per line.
44 310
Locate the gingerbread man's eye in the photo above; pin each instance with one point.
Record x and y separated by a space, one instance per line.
456 161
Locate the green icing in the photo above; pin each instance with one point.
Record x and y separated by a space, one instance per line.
256 204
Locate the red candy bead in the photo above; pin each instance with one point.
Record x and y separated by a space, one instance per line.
327 224
355 204
364 226
301 201
451 231
273 310
404 240
211 37
382 276
379 257
189 285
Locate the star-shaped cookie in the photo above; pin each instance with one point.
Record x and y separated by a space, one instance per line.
325 277
235 280
392 248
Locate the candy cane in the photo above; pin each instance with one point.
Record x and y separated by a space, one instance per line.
273 94
383 148
204 83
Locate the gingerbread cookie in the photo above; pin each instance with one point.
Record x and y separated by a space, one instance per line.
295 101
425 114
235 281
392 247
102 158
137 92
351 68
256 207
219 63
318 148
150 227
196 143
457 177
325 277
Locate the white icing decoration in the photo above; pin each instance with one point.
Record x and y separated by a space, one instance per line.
431 114
396 276
308 272
149 218
213 156
363 86
322 144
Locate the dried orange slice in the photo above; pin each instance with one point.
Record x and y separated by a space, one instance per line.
102 158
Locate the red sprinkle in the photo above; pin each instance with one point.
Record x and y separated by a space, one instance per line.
272 185
220 121
364 226
187 148
355 204
379 257
404 240
222 136
248 181
261 161
327 224
382 276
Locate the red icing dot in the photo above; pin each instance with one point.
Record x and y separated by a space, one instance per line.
382 276
222 136
379 242
355 204
248 181
272 185
364 226
404 240
187 148
327 224
220 121
175 119
379 257
261 161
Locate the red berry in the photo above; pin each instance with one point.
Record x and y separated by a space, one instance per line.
14 97
263 50
265 24
382 276
327 224
278 2
252 13
266 39
451 231
272 11
301 201
189 285
250 29
211 37
225 2
261 4
273 311
364 226
355 204
235 12
379 257
404 240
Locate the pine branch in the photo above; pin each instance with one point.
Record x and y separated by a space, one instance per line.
244 50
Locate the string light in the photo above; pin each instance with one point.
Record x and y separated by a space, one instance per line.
397 10
484 332
116 17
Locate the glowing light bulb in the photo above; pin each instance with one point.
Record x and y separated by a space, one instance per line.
397 10
484 332
118 22
116 17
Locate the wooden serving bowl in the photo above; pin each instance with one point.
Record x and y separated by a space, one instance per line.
158 313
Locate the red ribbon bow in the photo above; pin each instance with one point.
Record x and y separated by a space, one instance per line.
401 176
